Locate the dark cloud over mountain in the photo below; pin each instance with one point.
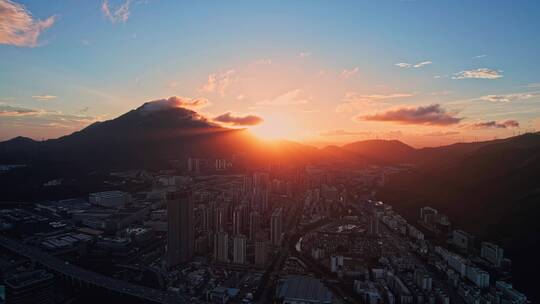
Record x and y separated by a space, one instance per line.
422 115
247 120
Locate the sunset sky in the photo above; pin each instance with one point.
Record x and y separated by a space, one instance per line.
425 72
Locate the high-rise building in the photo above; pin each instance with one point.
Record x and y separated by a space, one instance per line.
510 293
373 222
201 244
180 235
239 249
492 253
220 218
205 218
221 164
254 224
237 220
194 165
426 213
265 194
336 263
248 184
261 253
423 280
33 287
462 239
221 247
478 276
261 178
276 227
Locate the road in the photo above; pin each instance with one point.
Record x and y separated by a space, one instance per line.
89 277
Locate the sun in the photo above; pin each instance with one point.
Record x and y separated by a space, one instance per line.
275 127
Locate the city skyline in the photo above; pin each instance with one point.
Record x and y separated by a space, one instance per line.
269 152
311 72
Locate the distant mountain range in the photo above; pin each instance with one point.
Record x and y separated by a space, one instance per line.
152 135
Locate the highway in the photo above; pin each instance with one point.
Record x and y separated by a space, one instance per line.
89 277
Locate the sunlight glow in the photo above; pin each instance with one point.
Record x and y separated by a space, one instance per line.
275 127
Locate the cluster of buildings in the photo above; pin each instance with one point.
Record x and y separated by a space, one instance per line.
237 225
226 238
403 266
181 227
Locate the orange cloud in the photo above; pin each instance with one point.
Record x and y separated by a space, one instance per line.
175 102
18 27
219 82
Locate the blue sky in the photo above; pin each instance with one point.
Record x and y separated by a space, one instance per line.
332 65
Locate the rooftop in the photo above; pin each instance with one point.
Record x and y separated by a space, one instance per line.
27 278
306 289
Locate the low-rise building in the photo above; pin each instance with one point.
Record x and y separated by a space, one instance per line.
303 289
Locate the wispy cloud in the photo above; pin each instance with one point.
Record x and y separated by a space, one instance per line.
349 73
120 14
422 115
293 97
353 101
238 120
304 54
46 117
534 85
18 27
510 97
496 124
219 82
43 97
500 98
7 110
403 65
341 132
480 56
482 73
411 65
421 64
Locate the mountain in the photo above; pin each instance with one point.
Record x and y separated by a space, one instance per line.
477 174
389 151
147 137
491 189
17 149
